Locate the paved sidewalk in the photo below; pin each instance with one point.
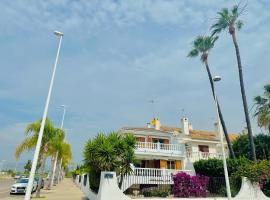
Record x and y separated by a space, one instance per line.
65 190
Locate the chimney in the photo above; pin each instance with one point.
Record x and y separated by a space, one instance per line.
190 127
185 126
157 124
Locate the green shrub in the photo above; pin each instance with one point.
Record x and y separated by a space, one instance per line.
266 189
214 167
223 192
94 179
156 193
256 172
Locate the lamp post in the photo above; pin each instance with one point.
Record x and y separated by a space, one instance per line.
56 156
216 79
38 146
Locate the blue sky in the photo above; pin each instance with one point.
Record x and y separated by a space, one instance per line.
117 56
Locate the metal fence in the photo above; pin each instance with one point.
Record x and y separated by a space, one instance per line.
216 188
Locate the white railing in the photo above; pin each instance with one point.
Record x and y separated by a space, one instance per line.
150 176
159 147
154 172
194 156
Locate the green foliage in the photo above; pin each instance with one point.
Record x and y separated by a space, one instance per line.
27 166
113 152
262 108
52 141
223 191
214 167
256 172
262 143
94 179
202 45
266 189
156 193
228 20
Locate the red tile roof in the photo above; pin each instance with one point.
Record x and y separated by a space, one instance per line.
193 134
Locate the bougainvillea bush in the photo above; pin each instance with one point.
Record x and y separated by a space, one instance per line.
189 186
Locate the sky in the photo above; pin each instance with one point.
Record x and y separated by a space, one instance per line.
116 57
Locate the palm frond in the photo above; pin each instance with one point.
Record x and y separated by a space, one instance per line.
193 53
239 24
28 144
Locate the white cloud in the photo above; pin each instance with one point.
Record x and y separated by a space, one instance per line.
131 51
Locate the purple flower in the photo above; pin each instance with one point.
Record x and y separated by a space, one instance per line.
190 186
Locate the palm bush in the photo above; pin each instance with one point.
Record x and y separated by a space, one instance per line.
112 152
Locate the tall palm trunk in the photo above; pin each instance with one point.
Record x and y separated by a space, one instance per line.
121 181
52 182
40 176
244 99
232 155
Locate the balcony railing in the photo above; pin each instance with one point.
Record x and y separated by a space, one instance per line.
150 176
203 155
159 147
152 172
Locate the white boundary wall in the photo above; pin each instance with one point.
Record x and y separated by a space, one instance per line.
109 190
250 191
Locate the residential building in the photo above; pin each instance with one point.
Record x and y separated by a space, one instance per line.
163 150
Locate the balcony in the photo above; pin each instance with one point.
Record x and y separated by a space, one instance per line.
159 149
195 156
150 176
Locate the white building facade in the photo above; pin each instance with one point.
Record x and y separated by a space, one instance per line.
163 150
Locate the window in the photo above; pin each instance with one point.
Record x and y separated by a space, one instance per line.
203 148
170 164
140 139
159 140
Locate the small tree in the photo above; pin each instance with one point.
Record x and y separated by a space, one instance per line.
27 166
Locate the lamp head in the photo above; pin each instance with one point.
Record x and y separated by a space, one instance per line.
216 78
58 33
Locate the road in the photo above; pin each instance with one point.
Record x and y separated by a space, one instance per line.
5 186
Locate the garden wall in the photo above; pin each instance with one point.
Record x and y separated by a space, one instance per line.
109 190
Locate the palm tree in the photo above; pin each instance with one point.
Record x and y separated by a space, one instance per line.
64 156
53 151
29 143
262 108
228 20
202 45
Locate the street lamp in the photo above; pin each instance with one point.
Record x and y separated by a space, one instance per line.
38 146
216 79
56 156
